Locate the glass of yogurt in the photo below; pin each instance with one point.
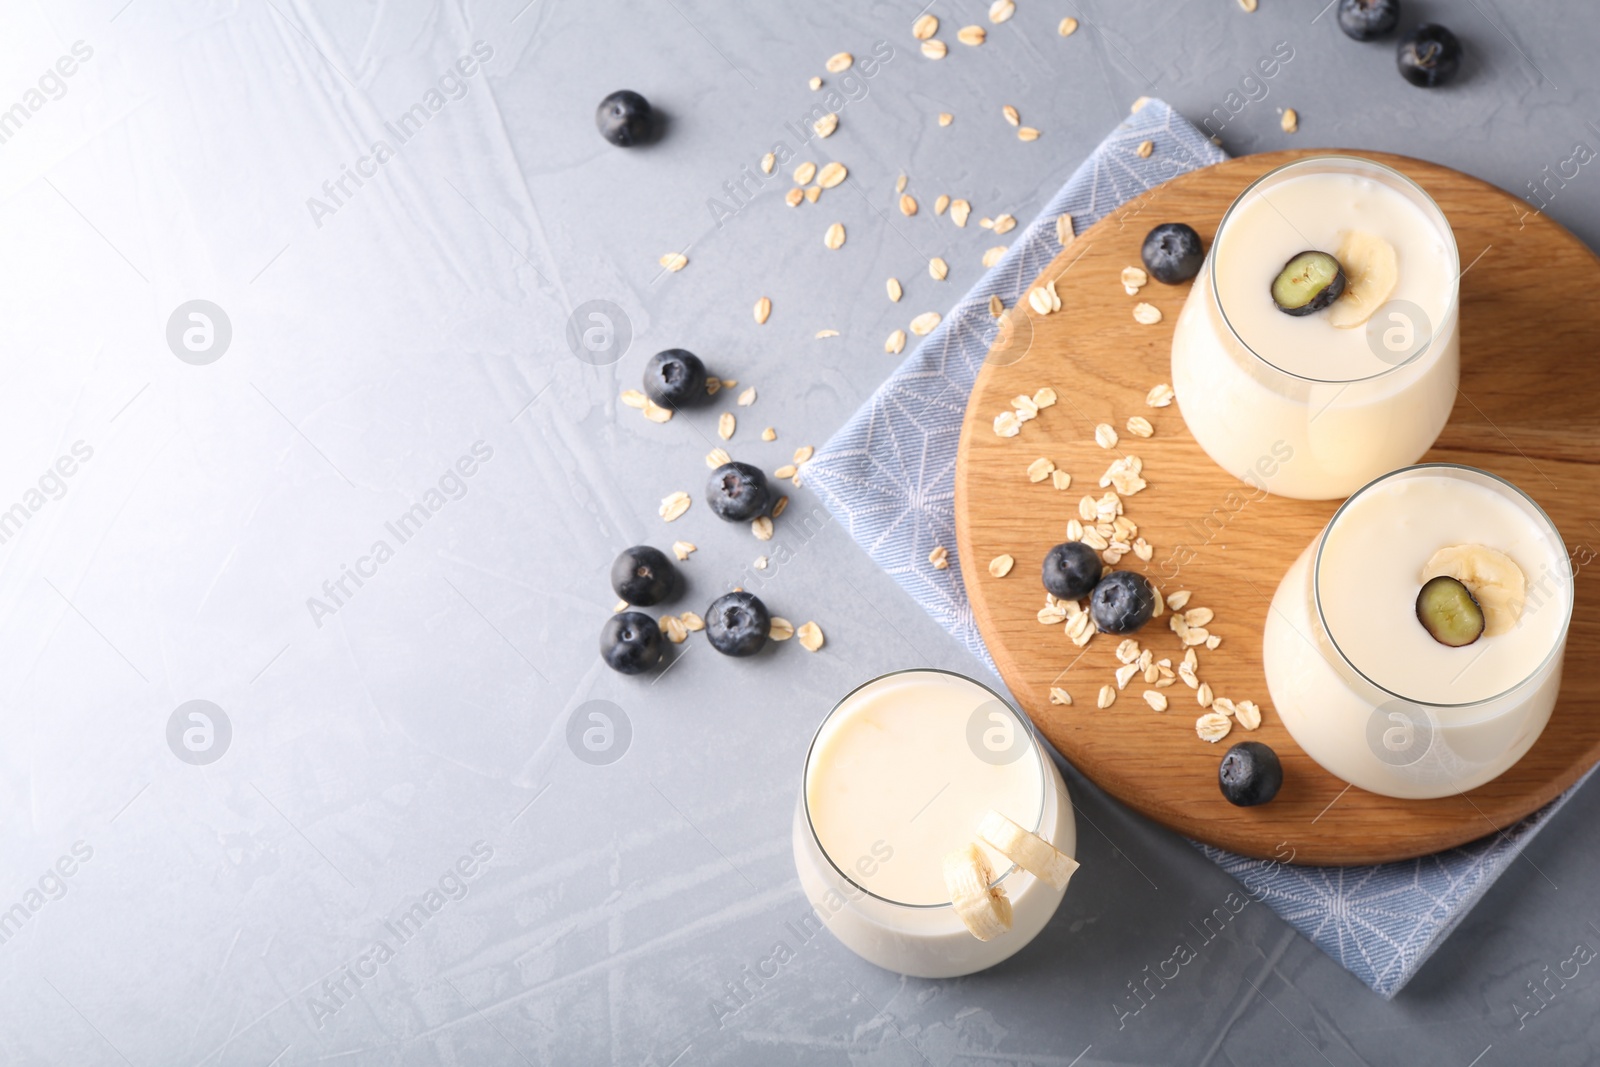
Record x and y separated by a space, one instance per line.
1311 403
898 779
1379 665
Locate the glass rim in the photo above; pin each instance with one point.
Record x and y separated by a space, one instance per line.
1325 158
805 776
1316 586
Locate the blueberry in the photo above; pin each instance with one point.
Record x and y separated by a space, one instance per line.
630 642
1365 20
738 492
675 378
1309 282
1429 55
624 118
1071 570
1172 253
1250 774
644 576
1449 612
737 624
1122 602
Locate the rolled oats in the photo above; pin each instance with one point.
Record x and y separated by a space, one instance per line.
810 635
673 505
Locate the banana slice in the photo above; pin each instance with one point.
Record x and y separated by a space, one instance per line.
986 911
1493 578
1026 849
1371 270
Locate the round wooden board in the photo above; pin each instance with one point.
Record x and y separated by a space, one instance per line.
1526 410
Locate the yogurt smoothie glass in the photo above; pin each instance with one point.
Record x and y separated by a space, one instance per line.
898 776
1314 406
1359 682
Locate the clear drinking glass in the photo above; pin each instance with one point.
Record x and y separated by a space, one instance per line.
876 817
1335 689
1278 416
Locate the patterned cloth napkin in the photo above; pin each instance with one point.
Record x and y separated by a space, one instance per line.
889 476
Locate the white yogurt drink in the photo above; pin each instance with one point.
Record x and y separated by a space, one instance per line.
1366 689
898 777
1316 405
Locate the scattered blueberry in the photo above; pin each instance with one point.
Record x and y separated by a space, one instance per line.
1071 570
738 492
1172 253
1250 774
630 642
675 378
1309 282
624 118
643 575
1122 602
1429 55
1365 20
737 624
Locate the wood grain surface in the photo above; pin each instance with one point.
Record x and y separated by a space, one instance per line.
1526 410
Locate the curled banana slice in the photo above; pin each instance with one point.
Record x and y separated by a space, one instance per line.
1026 849
1371 270
985 910
1492 577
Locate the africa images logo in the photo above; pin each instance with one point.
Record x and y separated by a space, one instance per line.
452 85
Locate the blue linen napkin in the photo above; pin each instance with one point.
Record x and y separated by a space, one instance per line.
889 476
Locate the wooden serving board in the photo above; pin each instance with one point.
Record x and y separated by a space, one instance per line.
1530 352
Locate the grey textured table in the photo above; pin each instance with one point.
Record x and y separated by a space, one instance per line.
403 739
